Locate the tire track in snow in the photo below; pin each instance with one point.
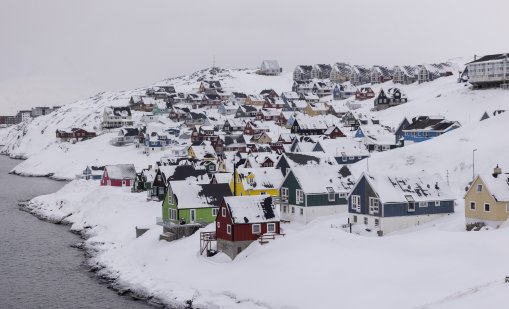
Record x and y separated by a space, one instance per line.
459 294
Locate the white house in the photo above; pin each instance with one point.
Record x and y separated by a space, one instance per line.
270 67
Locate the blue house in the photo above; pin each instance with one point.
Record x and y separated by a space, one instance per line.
384 203
156 141
91 173
340 92
359 133
400 136
424 128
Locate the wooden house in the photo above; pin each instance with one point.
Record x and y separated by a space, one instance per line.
91 173
340 73
385 203
430 72
404 74
269 93
244 219
255 100
424 128
74 135
309 192
321 71
119 175
302 73
380 74
316 109
256 181
270 68
210 86
360 75
487 200
389 98
364 93
117 117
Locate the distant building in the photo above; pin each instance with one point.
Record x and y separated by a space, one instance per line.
302 73
23 115
117 117
270 67
489 71
321 71
424 128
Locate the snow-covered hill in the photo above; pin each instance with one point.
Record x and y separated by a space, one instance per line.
35 141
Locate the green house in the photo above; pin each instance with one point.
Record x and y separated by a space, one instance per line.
192 203
309 192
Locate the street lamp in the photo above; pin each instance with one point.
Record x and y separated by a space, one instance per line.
473 164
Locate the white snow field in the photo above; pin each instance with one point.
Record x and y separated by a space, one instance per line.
435 265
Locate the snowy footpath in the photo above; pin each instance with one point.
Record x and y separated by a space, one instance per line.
437 265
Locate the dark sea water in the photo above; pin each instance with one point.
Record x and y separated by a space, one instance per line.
38 268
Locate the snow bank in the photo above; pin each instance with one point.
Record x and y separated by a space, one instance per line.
430 266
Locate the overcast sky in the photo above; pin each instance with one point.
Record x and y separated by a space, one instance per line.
54 51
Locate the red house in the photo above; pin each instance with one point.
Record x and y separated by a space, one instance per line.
74 135
244 219
364 93
119 175
334 132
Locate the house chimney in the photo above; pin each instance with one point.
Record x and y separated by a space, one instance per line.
475 57
497 171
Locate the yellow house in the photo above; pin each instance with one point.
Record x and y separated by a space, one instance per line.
256 181
204 152
487 200
316 109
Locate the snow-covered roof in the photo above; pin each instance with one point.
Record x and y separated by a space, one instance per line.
192 195
317 179
401 188
498 187
264 178
252 209
121 171
342 146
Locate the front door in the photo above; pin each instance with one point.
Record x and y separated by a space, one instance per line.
192 215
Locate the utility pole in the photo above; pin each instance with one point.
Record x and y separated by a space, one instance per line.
473 164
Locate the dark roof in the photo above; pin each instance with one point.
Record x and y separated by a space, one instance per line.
301 159
182 172
427 123
250 108
215 192
234 139
305 68
239 95
490 57
119 111
130 131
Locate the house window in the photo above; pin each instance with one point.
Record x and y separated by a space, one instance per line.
479 188
173 214
366 220
487 207
215 211
331 195
507 207
299 196
374 205
284 208
228 229
256 229
271 227
411 206
302 211
223 212
293 210
211 167
123 183
423 204
437 203
377 222
472 205
218 224
356 203
354 219
284 194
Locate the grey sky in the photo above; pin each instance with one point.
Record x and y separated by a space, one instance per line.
99 45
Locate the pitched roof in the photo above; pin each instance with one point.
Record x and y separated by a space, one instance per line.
491 58
121 171
193 195
498 187
264 178
317 179
252 209
410 187
431 124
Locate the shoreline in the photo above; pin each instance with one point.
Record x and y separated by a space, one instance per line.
103 275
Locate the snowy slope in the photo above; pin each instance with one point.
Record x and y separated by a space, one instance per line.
35 141
434 265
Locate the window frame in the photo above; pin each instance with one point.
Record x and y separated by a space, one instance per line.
273 225
229 229
284 193
479 187
215 211
299 196
223 212
472 203
489 207
331 193
372 207
356 202
253 228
